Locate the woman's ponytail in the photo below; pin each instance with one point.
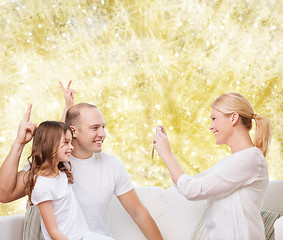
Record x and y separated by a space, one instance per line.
262 133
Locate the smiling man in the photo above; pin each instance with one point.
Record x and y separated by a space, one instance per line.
99 175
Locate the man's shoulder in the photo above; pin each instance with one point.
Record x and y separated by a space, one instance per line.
109 159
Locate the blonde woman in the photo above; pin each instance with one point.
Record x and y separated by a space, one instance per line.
234 187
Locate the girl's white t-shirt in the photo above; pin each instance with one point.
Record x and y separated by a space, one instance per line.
234 189
69 217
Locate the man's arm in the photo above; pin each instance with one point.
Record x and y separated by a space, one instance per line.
69 95
12 181
140 215
48 217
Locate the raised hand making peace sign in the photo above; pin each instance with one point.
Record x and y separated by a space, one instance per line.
69 95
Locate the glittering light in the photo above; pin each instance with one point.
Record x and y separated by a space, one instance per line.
143 63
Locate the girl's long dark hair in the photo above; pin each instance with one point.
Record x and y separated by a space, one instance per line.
44 151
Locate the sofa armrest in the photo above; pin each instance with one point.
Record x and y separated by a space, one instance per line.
11 227
273 197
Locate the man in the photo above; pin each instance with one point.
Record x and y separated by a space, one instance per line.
97 175
100 175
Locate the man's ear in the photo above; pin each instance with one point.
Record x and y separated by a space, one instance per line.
74 130
235 117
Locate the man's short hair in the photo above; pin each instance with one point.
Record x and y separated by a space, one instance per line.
73 114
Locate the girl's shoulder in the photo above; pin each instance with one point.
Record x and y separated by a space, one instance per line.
51 178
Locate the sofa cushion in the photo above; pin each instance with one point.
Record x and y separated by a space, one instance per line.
268 218
180 215
278 228
11 227
272 199
32 228
121 224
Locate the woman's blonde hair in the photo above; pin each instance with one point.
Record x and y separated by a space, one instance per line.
45 145
228 103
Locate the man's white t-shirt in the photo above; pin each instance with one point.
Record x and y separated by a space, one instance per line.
234 188
95 181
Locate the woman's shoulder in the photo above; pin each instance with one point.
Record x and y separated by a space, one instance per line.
249 157
252 152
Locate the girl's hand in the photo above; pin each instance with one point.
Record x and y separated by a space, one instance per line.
26 129
161 142
69 94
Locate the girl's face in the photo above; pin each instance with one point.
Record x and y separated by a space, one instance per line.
221 126
65 148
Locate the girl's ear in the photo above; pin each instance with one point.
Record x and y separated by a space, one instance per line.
74 130
235 117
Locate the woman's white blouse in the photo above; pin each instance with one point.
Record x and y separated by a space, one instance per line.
234 189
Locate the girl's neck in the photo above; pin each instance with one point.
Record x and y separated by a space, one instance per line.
49 173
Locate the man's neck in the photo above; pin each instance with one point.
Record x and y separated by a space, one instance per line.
81 154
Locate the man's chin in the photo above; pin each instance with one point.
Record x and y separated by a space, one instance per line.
98 150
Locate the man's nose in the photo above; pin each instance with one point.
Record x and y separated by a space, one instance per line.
101 132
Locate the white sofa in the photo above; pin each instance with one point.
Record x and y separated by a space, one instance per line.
175 216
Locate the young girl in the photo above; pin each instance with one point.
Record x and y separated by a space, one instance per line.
235 186
49 184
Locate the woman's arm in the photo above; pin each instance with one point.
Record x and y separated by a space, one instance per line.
162 146
12 182
48 217
69 95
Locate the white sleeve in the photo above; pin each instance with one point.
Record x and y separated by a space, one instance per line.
123 183
26 167
222 181
40 194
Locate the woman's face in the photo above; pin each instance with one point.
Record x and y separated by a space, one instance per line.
221 126
65 148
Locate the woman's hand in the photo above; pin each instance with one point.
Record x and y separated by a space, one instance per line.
162 146
161 143
26 129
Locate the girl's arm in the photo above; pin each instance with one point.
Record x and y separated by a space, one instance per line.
69 95
48 217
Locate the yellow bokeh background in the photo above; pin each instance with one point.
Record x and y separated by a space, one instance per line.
143 63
